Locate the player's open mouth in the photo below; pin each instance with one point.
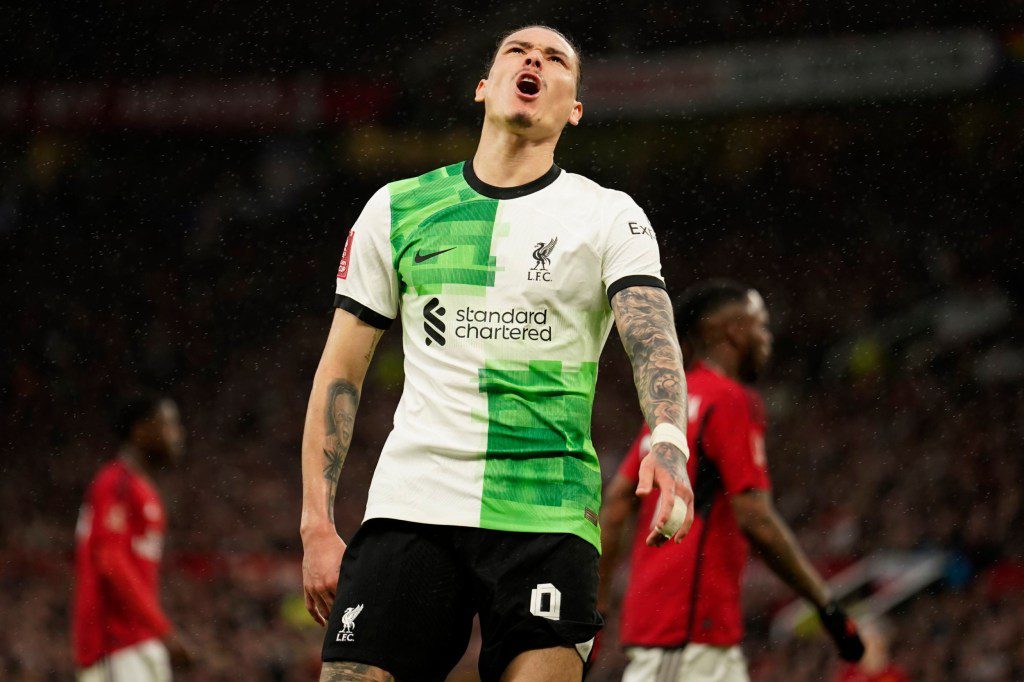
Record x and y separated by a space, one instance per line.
528 85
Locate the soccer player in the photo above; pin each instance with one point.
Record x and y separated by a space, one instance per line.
681 615
119 630
507 273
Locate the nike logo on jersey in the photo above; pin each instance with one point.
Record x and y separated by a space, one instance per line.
420 257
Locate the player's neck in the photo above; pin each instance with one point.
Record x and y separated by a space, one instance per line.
135 460
505 159
721 362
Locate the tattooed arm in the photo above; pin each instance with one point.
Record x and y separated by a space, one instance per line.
330 417
643 316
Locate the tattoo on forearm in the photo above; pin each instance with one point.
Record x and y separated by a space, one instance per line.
353 672
644 319
340 416
670 458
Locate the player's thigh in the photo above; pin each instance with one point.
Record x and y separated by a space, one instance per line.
342 671
535 591
402 605
555 664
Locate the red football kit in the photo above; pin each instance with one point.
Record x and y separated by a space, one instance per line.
690 592
120 540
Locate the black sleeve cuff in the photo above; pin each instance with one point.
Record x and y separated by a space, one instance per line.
370 317
634 281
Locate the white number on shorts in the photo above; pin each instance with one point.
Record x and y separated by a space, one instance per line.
546 601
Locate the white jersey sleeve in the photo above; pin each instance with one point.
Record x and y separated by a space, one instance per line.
367 284
631 256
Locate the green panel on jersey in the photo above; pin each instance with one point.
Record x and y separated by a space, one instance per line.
541 473
441 233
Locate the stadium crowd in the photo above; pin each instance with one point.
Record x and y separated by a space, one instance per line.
169 39
885 242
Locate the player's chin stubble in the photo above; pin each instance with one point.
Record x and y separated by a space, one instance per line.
520 119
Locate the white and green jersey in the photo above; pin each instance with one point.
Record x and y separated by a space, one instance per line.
504 298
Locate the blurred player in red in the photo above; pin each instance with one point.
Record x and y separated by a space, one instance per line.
119 630
681 614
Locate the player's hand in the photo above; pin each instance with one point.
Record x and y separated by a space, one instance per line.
180 650
664 468
321 564
843 631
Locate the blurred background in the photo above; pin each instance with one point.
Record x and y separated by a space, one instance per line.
176 185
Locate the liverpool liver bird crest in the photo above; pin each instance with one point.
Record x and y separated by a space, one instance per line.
348 619
542 254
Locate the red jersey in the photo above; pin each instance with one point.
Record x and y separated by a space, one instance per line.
120 540
690 592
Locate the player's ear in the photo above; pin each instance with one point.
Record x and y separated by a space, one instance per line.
735 331
576 113
481 87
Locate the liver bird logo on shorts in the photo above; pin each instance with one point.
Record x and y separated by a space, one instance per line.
348 619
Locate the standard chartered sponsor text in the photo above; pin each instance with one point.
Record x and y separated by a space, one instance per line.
510 324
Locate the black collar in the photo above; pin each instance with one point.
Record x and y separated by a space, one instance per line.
492 192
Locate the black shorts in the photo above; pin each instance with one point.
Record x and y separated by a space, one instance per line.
408 591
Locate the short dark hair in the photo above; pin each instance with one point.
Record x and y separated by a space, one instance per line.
132 409
572 44
705 299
